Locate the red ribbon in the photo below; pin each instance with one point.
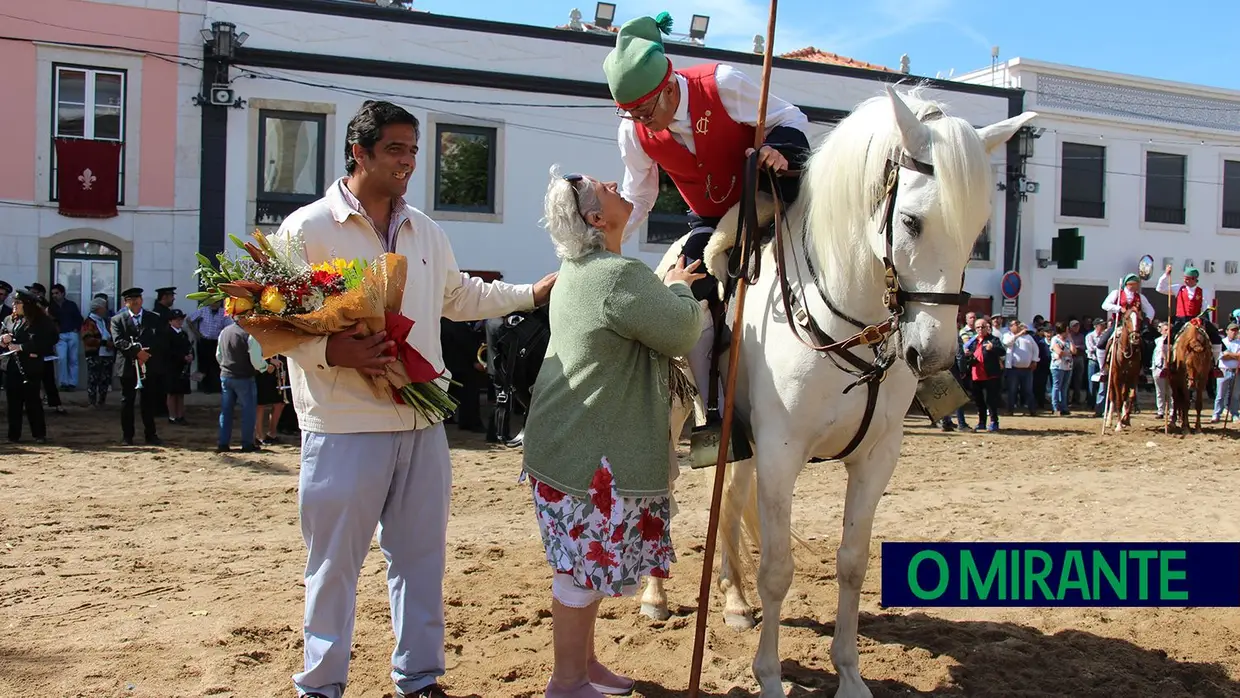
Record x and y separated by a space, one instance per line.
418 368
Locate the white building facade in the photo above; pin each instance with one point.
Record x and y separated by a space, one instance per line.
119 73
499 104
1138 166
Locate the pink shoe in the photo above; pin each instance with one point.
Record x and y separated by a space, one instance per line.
585 690
608 682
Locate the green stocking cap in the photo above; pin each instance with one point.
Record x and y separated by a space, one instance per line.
1191 271
1130 277
636 68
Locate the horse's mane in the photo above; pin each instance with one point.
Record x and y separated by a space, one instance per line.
845 176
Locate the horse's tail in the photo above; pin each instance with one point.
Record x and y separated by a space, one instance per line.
740 526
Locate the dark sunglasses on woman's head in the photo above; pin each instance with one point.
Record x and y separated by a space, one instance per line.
573 179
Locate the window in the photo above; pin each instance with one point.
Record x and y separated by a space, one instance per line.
88 103
1231 194
1164 188
981 247
669 218
465 168
291 147
1083 181
87 267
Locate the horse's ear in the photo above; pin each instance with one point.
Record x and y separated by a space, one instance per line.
996 134
913 133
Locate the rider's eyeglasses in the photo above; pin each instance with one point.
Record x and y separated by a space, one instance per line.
573 180
645 115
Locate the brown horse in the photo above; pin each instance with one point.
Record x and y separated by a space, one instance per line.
1123 368
1192 362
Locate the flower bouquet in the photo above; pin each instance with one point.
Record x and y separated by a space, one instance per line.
283 302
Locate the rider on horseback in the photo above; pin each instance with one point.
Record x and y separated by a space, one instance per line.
1120 301
1190 298
697 123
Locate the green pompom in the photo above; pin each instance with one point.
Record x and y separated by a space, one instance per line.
664 21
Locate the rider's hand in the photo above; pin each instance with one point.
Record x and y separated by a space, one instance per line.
682 273
769 157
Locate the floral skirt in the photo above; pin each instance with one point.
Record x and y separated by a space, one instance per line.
607 543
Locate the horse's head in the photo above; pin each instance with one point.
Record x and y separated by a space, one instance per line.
910 187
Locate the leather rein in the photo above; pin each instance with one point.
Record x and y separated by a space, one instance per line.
876 337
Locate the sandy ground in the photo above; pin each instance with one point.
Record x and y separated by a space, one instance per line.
167 572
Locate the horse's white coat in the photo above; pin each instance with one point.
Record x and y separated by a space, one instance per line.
793 397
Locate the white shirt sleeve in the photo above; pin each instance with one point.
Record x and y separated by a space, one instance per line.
1147 306
640 186
1164 286
741 96
1111 304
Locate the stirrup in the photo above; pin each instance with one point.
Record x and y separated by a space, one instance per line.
704 441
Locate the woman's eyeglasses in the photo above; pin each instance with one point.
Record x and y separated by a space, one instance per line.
573 180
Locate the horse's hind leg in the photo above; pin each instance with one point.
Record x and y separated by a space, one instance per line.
737 612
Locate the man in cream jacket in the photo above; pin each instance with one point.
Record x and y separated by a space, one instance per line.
368 462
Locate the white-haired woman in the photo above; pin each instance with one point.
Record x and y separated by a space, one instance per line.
596 437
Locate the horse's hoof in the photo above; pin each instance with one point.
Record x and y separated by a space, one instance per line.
653 612
739 621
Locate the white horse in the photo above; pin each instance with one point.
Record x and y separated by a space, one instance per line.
793 396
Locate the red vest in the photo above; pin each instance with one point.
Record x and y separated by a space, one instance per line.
710 181
1185 306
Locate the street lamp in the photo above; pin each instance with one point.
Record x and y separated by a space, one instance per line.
1025 138
604 14
223 38
697 27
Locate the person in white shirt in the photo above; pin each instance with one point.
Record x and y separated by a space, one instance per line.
366 461
1123 298
1226 396
1022 359
1190 299
696 123
1158 367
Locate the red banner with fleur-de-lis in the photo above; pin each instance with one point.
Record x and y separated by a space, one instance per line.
87 177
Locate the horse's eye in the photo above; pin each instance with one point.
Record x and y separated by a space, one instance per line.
911 223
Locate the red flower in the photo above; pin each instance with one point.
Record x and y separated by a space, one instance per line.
651 526
658 573
323 279
600 491
600 555
576 531
549 494
618 534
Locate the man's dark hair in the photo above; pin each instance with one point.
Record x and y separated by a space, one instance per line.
58 287
367 124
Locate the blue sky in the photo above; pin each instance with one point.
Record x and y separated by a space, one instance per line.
1191 41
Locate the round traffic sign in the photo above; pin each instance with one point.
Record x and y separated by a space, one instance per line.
1010 285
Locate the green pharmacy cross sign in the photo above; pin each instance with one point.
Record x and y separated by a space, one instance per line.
1068 248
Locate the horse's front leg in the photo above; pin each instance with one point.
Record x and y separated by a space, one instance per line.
778 463
867 480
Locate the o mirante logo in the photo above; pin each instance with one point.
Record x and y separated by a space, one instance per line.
1060 574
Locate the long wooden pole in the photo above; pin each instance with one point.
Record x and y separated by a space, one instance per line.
1167 418
729 397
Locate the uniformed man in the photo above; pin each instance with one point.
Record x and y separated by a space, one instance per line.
164 298
142 340
1190 299
697 124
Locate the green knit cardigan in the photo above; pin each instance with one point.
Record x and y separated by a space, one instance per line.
603 386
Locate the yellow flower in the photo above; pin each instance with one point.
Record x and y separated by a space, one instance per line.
235 306
272 300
